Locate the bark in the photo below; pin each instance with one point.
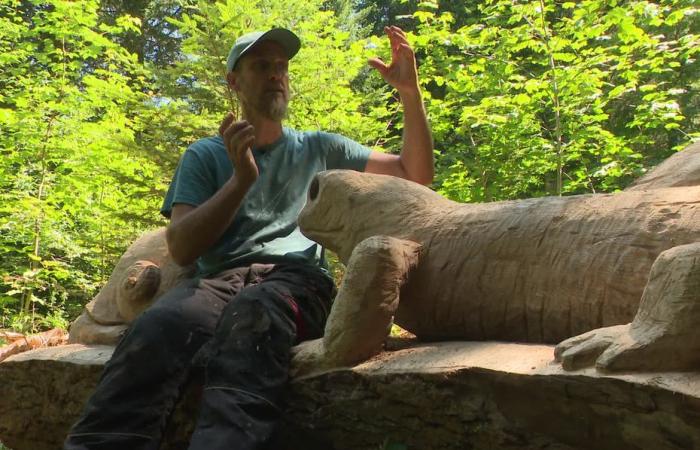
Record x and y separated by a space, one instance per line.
443 396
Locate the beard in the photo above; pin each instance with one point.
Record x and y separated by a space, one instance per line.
272 106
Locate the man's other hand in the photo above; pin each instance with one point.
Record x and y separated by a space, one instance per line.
402 73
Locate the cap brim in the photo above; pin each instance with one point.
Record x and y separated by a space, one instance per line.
289 41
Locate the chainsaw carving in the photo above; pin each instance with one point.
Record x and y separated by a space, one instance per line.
143 273
537 270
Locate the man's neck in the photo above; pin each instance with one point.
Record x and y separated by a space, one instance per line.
266 131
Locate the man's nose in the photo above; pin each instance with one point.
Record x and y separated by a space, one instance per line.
277 73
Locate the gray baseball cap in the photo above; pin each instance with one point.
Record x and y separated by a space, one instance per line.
288 40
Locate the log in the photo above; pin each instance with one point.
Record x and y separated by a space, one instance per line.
681 169
449 395
10 336
37 411
21 343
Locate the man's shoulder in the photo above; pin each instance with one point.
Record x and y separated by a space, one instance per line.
314 138
294 135
205 152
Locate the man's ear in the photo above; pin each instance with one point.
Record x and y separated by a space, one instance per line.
232 80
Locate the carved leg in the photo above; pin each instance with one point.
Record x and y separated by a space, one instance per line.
665 333
361 316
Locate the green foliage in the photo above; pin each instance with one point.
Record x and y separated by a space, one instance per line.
532 98
71 185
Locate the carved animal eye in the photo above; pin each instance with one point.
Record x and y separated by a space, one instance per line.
313 189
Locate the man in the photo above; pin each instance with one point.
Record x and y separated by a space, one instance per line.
259 289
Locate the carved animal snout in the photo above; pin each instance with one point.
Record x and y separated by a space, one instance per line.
138 289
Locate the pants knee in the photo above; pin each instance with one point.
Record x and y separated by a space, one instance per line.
259 311
254 336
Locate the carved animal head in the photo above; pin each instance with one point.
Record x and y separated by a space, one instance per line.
138 289
344 207
144 271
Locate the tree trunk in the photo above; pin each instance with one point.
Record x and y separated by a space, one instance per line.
451 395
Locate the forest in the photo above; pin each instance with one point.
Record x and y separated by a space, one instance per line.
98 100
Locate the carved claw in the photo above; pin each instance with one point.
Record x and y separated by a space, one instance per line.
627 348
308 357
664 334
588 349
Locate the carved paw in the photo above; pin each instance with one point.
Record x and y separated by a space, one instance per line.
307 357
664 334
609 349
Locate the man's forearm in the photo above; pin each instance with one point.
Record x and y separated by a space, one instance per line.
192 234
417 150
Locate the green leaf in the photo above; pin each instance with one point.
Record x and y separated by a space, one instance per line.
522 99
33 257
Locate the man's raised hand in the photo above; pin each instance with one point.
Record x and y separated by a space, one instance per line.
239 137
402 73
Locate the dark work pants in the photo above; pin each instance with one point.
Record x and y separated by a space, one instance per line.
239 326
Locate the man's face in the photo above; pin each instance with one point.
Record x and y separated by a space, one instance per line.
261 80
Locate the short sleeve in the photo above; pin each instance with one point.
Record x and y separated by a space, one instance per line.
191 184
344 153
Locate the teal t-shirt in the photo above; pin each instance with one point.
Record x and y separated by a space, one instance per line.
265 228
